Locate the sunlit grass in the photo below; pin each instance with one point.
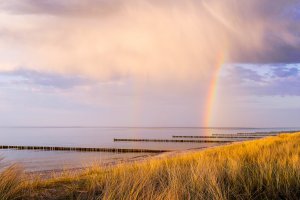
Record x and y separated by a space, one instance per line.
11 183
268 168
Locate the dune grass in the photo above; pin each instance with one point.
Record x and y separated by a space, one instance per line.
267 168
11 183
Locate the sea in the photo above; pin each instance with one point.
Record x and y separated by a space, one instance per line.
100 137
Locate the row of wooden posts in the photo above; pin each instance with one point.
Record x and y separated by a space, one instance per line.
215 136
83 149
170 140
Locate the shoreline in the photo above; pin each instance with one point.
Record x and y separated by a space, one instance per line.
48 174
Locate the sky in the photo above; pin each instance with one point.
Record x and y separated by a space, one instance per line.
220 63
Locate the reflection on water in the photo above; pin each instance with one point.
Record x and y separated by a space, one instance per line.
96 137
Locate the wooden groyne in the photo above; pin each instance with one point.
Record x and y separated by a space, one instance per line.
257 134
170 140
236 135
81 149
214 136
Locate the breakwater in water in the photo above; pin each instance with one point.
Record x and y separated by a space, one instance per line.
81 149
170 140
243 135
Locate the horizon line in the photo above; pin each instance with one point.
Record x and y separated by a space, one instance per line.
196 127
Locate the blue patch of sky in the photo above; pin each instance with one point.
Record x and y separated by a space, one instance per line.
268 80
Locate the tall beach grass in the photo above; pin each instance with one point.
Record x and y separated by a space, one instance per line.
11 183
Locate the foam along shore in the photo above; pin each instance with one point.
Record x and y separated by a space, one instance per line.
267 168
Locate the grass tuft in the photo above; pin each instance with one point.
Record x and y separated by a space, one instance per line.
11 183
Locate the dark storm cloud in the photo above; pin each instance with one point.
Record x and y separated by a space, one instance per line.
280 38
258 31
276 50
276 15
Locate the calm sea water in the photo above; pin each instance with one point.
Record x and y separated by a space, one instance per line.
95 137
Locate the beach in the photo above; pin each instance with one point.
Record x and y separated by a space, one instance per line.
247 169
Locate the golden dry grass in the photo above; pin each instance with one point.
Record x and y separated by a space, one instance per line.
11 183
268 168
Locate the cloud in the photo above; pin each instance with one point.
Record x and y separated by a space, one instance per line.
161 41
264 80
246 74
56 7
41 79
285 72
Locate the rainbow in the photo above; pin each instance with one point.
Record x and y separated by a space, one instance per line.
213 89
